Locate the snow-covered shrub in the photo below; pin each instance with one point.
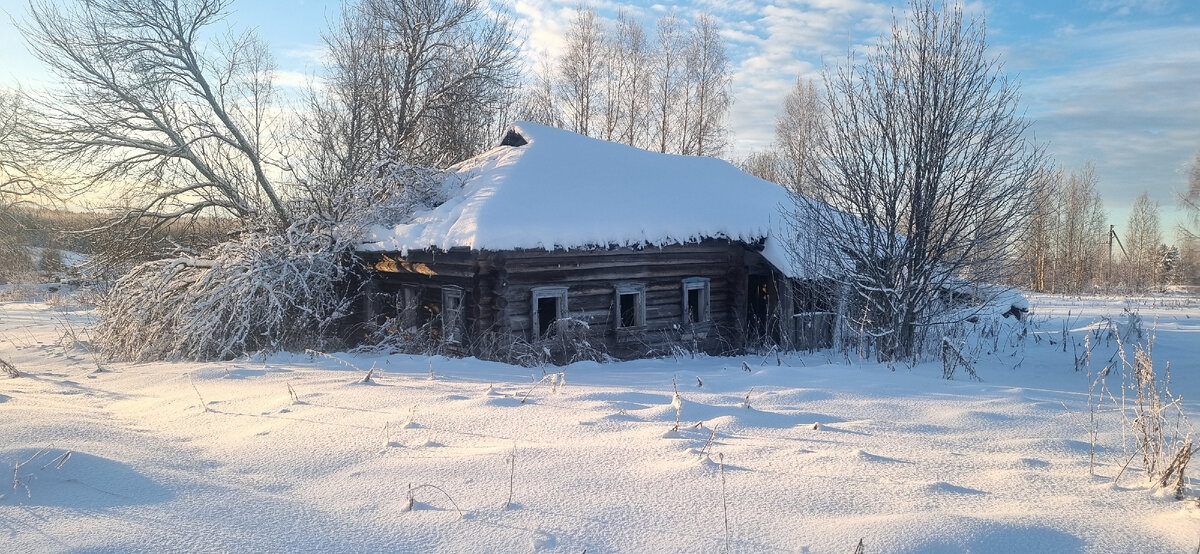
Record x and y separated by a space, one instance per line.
568 342
263 291
267 288
393 336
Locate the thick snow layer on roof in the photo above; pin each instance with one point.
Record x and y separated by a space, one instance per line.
564 190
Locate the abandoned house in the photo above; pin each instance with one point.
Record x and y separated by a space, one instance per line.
639 252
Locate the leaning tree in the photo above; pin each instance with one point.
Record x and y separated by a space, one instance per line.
168 115
927 150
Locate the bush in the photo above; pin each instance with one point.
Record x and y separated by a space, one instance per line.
266 289
263 291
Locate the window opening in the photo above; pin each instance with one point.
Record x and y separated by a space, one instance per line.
631 306
452 314
696 293
549 306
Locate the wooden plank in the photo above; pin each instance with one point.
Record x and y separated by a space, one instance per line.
609 275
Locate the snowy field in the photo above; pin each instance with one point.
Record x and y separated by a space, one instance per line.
800 453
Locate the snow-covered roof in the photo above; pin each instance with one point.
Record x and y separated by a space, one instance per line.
561 190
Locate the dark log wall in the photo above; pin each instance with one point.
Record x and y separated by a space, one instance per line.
428 271
499 286
591 278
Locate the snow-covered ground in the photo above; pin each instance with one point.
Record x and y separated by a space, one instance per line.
800 453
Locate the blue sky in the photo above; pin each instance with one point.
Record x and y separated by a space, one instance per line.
1113 82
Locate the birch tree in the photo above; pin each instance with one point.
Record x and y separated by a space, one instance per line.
767 165
792 158
537 102
670 43
15 184
708 97
1189 230
1081 236
1142 241
1035 250
631 61
797 130
16 178
1190 201
580 70
927 151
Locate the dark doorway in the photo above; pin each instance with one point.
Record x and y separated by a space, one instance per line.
628 306
547 307
758 308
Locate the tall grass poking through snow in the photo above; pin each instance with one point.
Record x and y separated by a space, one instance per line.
677 403
8 370
1159 428
556 380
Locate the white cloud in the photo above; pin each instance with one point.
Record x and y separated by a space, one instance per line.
544 23
314 55
796 39
297 79
1126 100
1127 7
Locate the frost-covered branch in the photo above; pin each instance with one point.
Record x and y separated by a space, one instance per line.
148 111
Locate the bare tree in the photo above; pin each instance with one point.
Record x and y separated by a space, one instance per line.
708 98
420 79
631 62
16 179
767 165
1142 241
1190 201
1189 231
580 70
1081 233
537 101
668 79
792 158
15 185
173 116
1035 242
927 151
797 130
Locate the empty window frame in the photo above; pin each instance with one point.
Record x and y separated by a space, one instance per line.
548 305
452 314
630 303
696 295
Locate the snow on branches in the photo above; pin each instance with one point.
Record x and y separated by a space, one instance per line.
262 291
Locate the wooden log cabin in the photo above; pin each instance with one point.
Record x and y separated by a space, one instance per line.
643 253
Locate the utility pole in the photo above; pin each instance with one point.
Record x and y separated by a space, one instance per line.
1112 235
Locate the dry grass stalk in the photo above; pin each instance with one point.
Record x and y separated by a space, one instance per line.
8 370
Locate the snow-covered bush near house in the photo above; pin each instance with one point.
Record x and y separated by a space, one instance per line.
297 453
263 291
